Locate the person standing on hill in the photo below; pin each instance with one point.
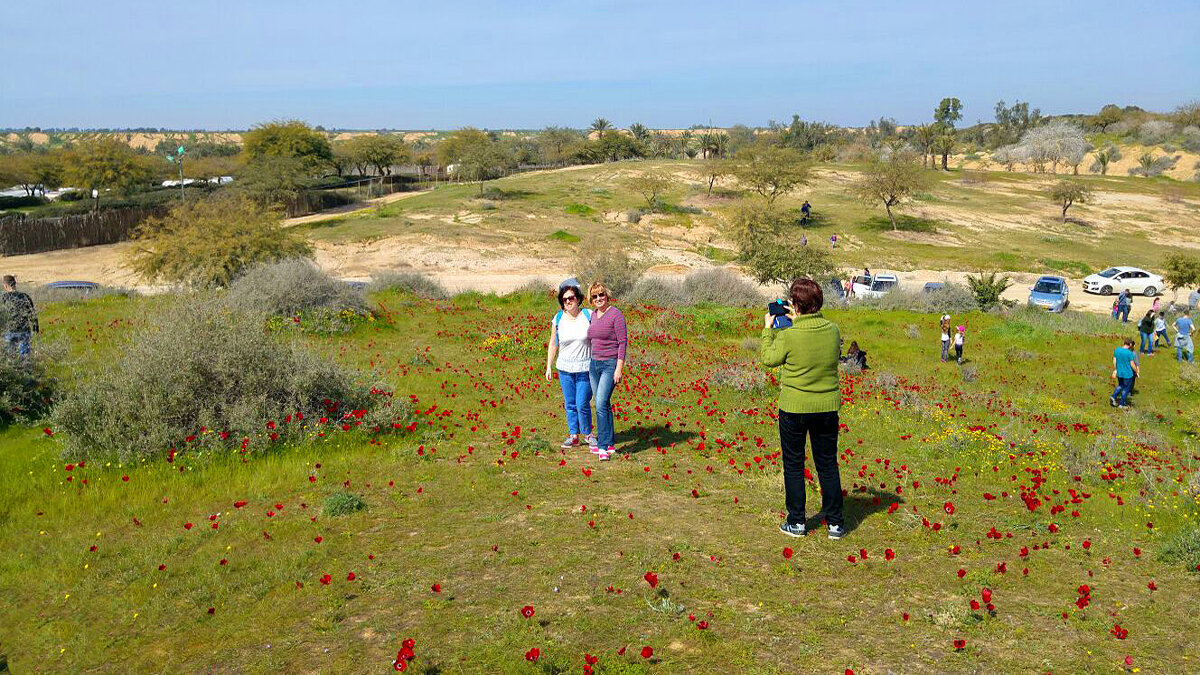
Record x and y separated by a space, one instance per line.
944 326
569 342
21 320
608 336
960 339
809 401
1185 348
806 210
1194 299
1125 368
833 241
1160 330
1124 305
1146 333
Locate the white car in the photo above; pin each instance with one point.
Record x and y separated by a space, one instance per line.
1117 279
881 284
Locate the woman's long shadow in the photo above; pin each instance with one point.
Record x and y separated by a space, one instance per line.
638 439
858 506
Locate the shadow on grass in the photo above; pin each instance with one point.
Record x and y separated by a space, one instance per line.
500 194
858 506
903 224
639 439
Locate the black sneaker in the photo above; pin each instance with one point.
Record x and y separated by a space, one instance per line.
791 530
836 531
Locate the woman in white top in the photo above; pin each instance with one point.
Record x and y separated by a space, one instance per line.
569 340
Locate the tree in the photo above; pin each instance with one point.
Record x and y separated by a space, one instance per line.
1181 271
208 242
1105 156
290 138
925 137
1108 116
771 171
988 290
483 160
640 132
1187 115
948 112
1013 121
275 181
601 126
714 169
377 151
1058 141
106 164
944 145
650 185
451 148
890 182
1066 193
554 142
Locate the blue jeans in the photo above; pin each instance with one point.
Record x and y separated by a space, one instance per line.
16 343
1121 393
1185 349
1147 343
1123 310
601 376
577 397
1163 335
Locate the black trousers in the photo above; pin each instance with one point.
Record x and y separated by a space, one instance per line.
822 428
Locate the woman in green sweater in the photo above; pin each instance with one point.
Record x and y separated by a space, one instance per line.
809 400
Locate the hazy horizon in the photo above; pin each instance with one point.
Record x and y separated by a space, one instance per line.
667 65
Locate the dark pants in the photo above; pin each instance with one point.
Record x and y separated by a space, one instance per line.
823 429
1124 388
1123 310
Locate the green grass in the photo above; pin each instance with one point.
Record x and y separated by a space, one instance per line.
563 235
480 500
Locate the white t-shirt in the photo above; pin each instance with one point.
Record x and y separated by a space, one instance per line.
958 339
574 348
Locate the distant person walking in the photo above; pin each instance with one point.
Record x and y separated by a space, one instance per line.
1116 308
806 210
19 320
609 336
809 400
944 326
1124 304
1146 333
833 241
570 353
1160 330
1125 367
960 339
1194 299
1185 348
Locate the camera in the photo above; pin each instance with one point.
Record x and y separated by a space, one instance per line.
779 308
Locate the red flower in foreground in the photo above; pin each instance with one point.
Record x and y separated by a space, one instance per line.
889 554
960 644
533 654
647 652
325 579
949 507
351 576
651 578
527 611
787 553
436 588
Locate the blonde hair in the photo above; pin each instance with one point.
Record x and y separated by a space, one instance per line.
599 286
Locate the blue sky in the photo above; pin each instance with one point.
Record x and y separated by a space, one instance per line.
373 63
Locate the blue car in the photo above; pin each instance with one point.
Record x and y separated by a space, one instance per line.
1050 293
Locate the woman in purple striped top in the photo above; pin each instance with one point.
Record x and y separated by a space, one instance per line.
608 336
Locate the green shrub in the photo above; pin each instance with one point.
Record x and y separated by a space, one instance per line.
26 389
1183 547
18 202
563 235
409 282
614 267
1187 383
987 290
579 209
343 503
950 299
291 287
199 376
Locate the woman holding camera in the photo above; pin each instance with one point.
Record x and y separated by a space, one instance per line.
809 400
608 336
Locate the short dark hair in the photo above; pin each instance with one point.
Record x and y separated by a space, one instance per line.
1128 342
10 280
563 290
806 296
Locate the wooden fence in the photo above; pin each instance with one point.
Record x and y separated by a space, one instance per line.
21 234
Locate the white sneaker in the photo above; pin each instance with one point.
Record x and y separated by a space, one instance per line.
601 455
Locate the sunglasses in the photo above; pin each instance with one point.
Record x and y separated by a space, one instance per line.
568 298
600 295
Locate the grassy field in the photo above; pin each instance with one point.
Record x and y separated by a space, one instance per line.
964 221
261 563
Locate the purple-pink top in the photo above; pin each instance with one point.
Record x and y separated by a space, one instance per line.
608 335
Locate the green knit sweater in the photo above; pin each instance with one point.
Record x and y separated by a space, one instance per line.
808 352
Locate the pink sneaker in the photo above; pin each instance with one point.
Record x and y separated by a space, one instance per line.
601 455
